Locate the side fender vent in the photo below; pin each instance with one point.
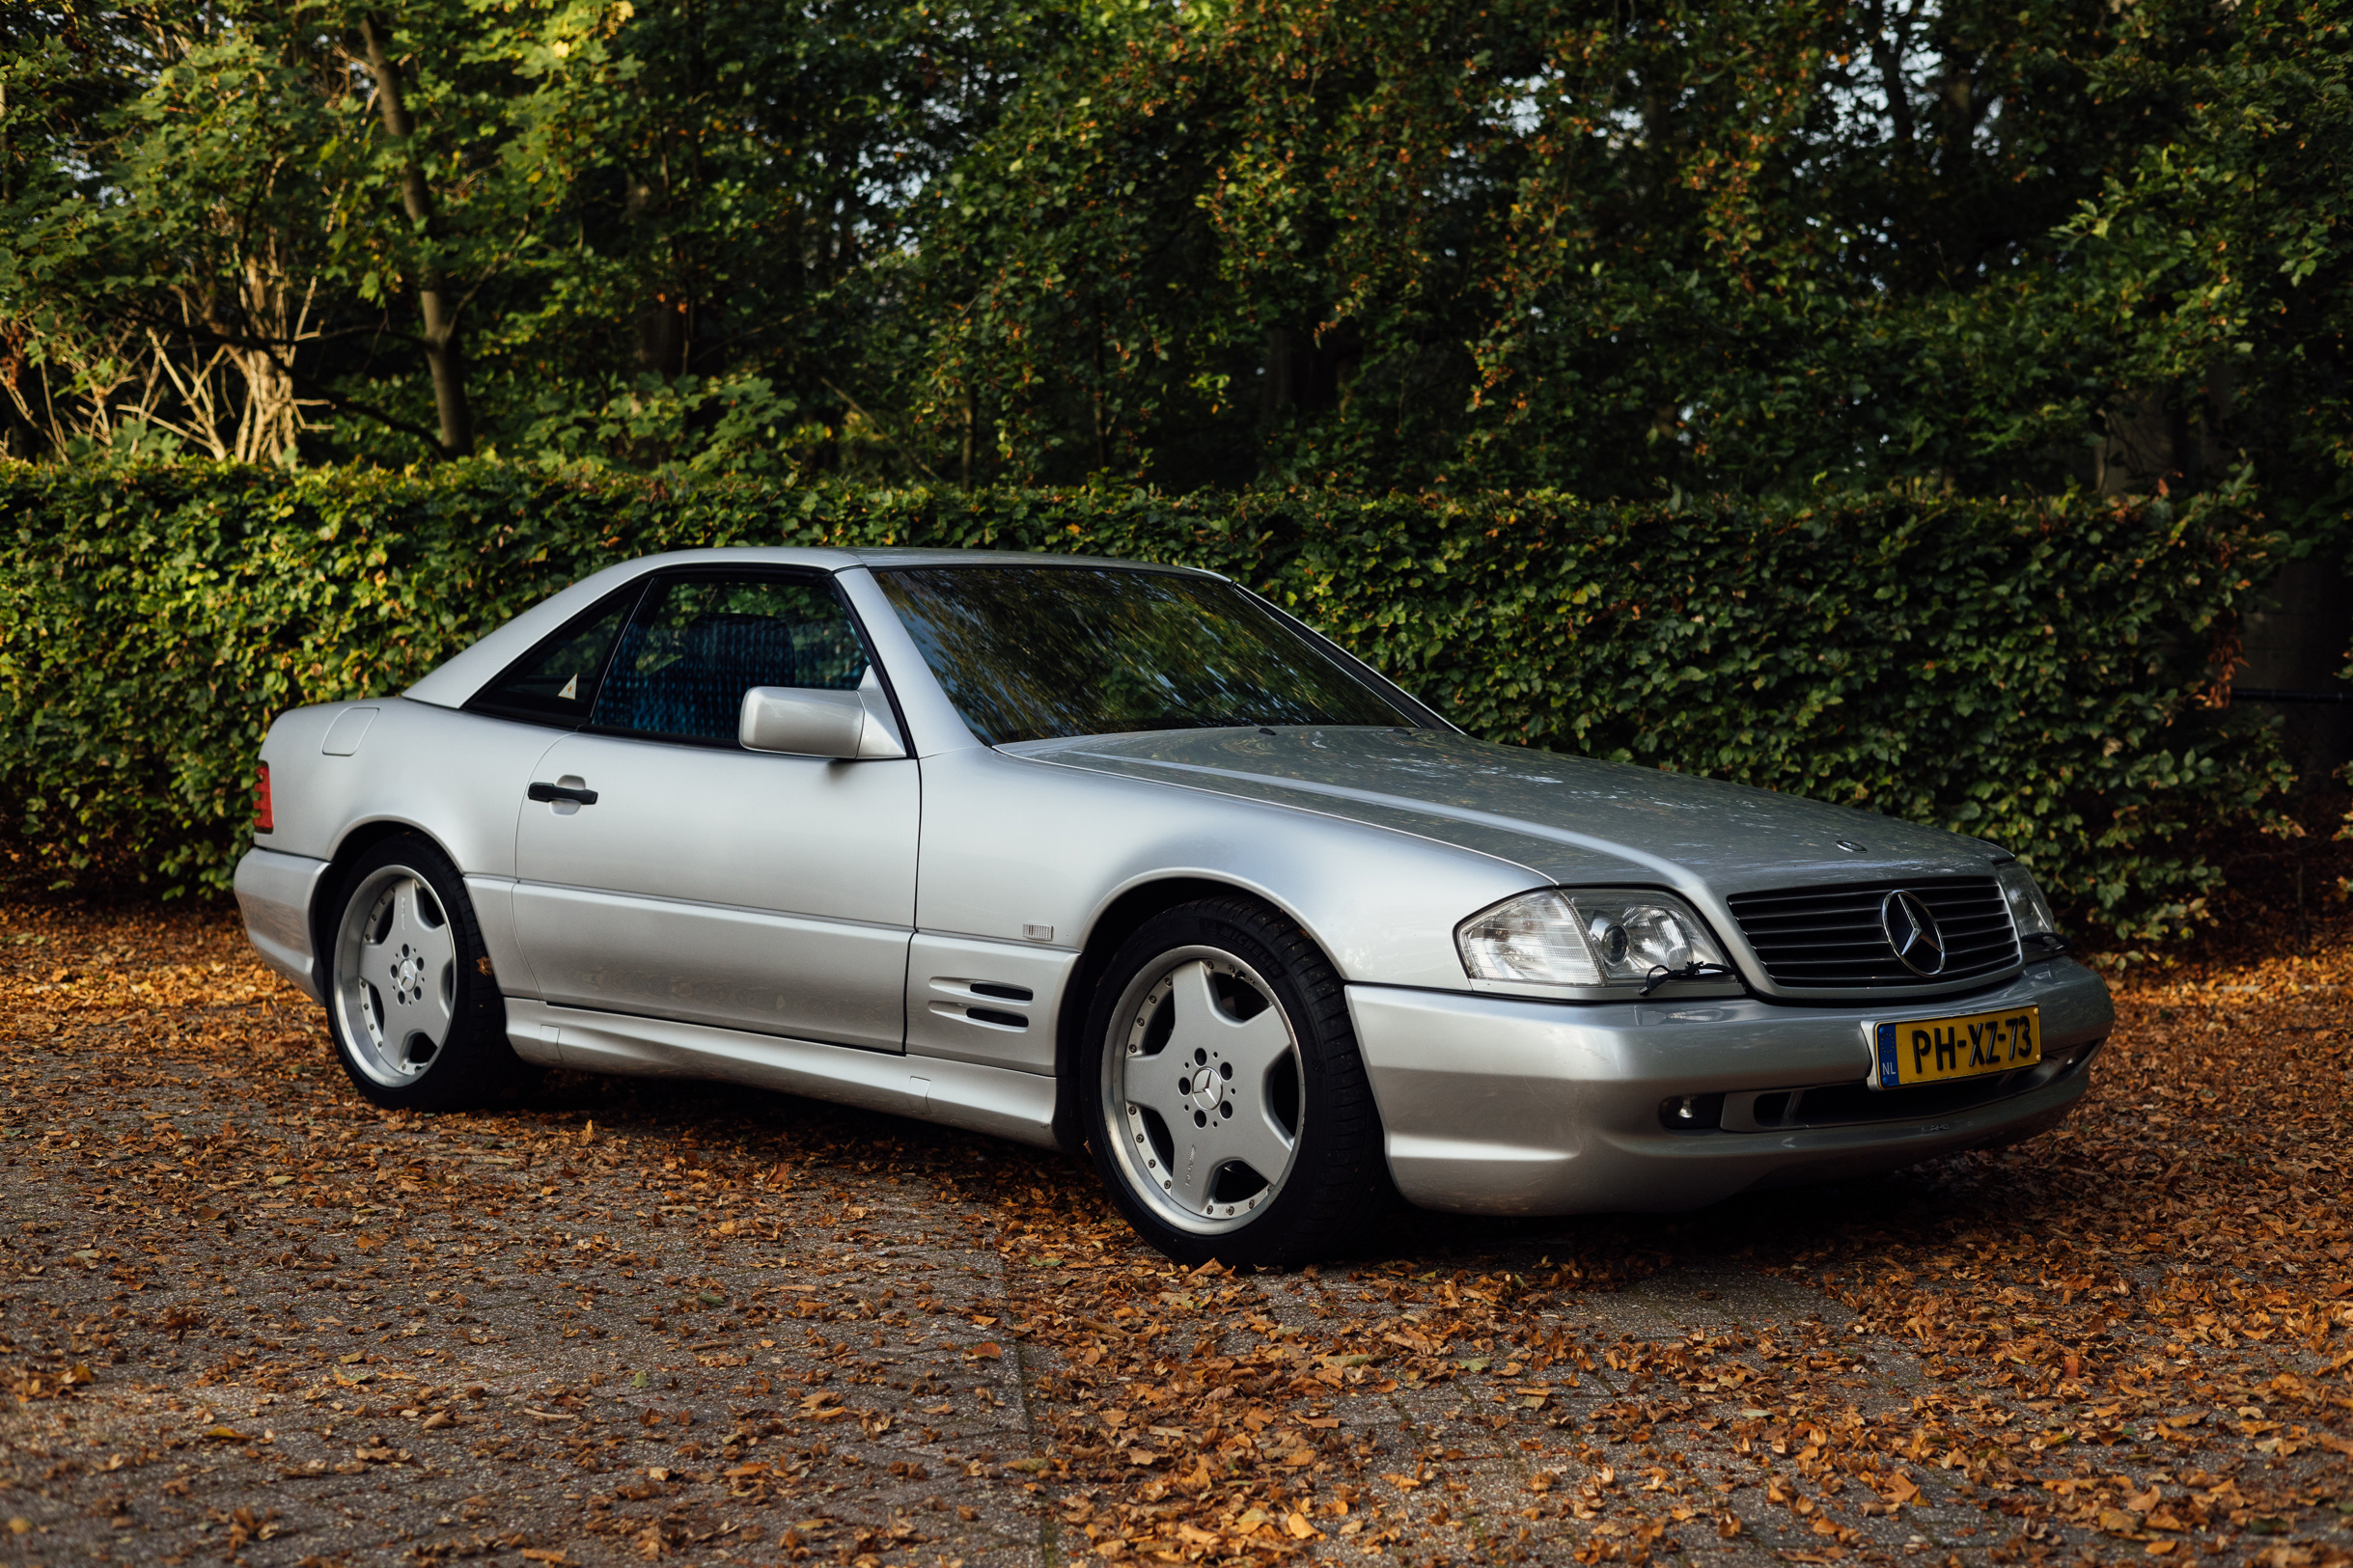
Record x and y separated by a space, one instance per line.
970 1000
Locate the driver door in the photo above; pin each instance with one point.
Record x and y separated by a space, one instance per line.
708 884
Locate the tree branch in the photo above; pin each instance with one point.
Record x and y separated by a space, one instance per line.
827 383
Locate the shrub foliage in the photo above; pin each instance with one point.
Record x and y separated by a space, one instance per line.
2033 672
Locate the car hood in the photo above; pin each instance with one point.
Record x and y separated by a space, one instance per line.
1569 819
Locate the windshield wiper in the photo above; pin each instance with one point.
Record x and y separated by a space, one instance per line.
1696 969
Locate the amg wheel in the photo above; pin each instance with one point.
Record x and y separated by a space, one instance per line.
1229 1110
416 1016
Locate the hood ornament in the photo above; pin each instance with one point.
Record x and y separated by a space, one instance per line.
1911 933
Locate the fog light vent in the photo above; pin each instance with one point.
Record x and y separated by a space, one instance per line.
1691 1112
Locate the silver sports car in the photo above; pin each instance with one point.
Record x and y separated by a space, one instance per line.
1124 857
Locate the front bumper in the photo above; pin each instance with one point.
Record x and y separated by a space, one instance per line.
275 894
1494 1105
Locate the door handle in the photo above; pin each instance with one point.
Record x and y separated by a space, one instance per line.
552 791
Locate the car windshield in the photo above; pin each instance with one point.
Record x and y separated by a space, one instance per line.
1036 652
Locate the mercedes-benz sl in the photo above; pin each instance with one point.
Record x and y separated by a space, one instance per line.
1128 859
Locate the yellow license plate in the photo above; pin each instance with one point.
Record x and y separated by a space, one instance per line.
1932 1050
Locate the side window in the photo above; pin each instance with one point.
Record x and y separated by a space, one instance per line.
698 643
556 681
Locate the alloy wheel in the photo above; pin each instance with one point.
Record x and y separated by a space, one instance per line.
1202 1081
395 976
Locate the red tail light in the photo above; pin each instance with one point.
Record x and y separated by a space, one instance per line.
262 819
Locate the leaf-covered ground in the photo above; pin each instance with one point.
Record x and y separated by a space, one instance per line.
245 1316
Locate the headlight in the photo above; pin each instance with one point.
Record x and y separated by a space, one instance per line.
1596 937
1635 935
2027 909
1531 939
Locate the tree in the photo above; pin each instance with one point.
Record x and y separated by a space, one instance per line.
1761 246
560 228
1752 244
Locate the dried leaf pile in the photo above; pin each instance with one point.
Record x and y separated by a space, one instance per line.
246 1317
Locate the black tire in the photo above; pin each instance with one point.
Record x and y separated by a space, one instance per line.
412 1005
1190 1191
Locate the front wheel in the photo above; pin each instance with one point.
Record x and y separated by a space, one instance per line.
1228 1108
417 1017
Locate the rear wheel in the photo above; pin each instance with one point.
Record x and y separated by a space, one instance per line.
416 1015
1228 1110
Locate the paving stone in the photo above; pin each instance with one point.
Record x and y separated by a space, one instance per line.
248 1319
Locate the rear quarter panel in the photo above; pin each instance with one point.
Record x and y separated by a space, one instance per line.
457 778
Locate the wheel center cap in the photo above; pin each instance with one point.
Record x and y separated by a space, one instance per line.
408 977
1208 1090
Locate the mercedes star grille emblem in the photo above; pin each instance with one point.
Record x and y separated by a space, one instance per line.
1912 933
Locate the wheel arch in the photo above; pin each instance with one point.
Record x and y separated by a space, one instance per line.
1119 919
357 841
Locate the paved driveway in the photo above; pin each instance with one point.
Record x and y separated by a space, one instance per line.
246 1317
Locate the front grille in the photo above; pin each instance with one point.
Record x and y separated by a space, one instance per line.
1827 938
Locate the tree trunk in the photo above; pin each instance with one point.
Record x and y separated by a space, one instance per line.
1102 436
972 421
444 354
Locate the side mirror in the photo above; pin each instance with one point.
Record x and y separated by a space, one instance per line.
805 722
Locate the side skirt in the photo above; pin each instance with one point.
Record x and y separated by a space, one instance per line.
994 1100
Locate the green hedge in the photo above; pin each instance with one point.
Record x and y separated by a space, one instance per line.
2030 673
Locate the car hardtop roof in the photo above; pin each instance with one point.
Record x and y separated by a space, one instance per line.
895 557
453 682
838 558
